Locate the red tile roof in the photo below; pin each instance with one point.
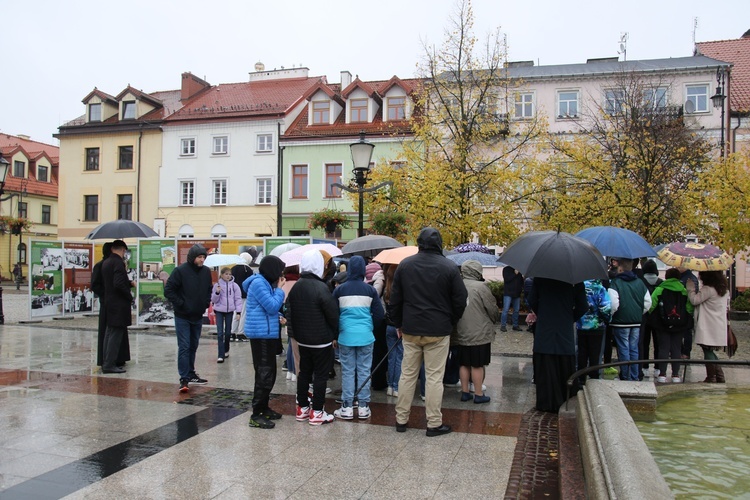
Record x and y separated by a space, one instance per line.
301 129
254 99
736 52
102 95
34 150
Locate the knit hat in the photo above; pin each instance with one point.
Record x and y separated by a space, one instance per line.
371 269
271 268
649 267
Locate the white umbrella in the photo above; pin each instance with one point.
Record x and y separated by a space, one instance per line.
223 259
284 247
294 257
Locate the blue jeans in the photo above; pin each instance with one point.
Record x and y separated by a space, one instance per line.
395 357
626 340
223 330
507 301
188 336
355 366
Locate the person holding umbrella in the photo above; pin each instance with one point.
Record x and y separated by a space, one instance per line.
711 319
558 305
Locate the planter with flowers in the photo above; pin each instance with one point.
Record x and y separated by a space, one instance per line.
328 219
13 224
393 224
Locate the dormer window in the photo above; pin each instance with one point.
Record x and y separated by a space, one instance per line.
128 110
42 173
358 110
95 112
396 108
321 112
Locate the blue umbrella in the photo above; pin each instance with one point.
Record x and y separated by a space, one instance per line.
485 259
617 242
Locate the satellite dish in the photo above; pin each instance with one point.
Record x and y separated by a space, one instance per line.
689 107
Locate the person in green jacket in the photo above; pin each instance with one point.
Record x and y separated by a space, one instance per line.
670 311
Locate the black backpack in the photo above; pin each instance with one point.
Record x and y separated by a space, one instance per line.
672 311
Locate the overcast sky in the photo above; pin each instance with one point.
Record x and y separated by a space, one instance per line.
57 51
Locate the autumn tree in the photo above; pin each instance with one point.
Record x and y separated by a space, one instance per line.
462 172
633 162
725 202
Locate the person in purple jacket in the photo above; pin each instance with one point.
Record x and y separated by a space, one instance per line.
227 301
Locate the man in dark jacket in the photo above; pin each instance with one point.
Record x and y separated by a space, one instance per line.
512 288
97 286
313 320
427 299
118 315
189 290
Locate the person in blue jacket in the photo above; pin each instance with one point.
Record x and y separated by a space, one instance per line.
360 310
263 317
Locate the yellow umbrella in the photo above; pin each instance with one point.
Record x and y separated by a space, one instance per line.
695 256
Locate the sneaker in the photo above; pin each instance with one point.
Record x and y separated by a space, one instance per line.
389 391
363 412
395 393
320 417
303 413
661 380
676 380
294 377
226 355
471 387
516 328
270 414
220 360
233 338
289 375
241 338
503 329
184 385
481 399
261 422
344 413
422 397
465 396
283 367
197 380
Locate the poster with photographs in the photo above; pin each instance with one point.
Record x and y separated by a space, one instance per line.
77 295
184 246
251 246
46 278
158 258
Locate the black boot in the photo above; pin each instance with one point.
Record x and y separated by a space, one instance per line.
710 374
719 374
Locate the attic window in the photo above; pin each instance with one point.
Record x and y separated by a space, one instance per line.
128 110
95 112
321 112
358 110
396 108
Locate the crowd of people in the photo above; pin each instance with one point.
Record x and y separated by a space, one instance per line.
391 329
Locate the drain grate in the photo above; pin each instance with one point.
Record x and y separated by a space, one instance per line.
224 398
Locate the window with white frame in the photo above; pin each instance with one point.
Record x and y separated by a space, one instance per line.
655 98
263 187
698 95
567 104
187 193
220 192
614 101
95 112
187 146
221 145
524 105
333 176
265 143
299 182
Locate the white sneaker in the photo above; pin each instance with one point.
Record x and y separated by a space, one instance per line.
389 391
294 377
661 380
344 413
289 375
320 417
676 380
395 393
363 412
422 397
471 387
219 360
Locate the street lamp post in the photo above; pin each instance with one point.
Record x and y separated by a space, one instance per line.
718 100
361 156
4 166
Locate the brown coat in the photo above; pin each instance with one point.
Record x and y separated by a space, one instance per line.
710 316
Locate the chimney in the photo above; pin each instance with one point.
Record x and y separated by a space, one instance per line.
191 85
346 79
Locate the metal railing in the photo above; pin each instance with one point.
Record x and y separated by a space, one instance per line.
583 371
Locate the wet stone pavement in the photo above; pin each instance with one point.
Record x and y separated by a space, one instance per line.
68 429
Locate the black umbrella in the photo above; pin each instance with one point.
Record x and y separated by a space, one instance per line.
555 255
370 245
121 229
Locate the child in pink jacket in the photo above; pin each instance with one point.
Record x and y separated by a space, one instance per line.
227 301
